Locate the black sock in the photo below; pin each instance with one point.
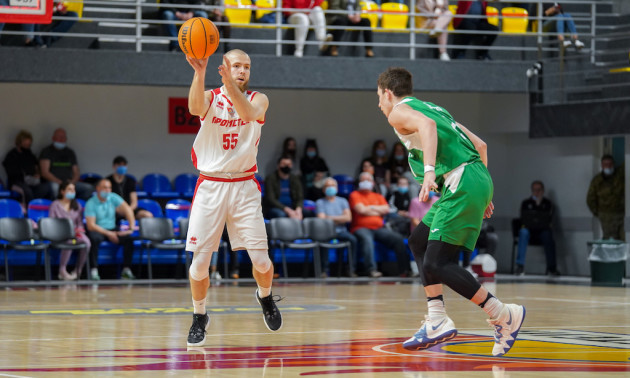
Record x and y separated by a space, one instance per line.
486 300
439 297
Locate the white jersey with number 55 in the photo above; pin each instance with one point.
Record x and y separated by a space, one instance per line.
225 143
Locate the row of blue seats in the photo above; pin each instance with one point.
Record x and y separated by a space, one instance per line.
157 185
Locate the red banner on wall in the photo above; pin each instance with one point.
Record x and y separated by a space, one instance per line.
180 121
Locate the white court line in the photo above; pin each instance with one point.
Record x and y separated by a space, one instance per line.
15 376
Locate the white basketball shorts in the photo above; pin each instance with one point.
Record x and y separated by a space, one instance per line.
221 201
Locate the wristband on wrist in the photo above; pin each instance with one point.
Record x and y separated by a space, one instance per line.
429 168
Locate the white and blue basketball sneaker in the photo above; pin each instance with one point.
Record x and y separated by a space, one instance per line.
432 332
506 327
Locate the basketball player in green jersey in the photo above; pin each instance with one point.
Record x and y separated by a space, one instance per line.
444 154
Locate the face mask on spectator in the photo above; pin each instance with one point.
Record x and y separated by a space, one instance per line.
59 145
104 194
330 191
399 157
366 185
380 152
311 154
608 171
285 169
403 189
70 195
121 169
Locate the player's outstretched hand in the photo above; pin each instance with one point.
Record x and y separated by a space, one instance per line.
489 211
225 70
199 65
428 184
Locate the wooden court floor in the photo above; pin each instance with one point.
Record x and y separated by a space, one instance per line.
330 330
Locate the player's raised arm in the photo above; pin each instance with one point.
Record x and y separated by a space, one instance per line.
479 144
197 101
233 72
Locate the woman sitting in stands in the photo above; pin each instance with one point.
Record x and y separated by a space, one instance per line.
66 206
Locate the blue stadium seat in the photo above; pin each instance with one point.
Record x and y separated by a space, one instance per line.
152 206
10 208
139 193
345 185
4 193
261 182
176 209
185 184
309 205
158 186
38 208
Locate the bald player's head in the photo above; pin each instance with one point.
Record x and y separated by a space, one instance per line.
241 64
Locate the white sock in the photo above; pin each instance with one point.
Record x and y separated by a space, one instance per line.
200 306
436 309
493 307
264 291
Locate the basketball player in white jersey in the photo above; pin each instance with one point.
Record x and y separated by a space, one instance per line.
224 152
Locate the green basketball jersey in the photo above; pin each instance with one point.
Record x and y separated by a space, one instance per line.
453 149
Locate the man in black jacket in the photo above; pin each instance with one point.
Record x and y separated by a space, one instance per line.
536 216
284 196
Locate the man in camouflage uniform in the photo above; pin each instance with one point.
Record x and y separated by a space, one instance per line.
606 199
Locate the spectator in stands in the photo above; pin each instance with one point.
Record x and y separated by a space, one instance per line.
417 209
352 19
180 13
284 196
606 199
337 209
436 17
536 218
217 14
480 23
398 164
289 148
57 162
314 171
58 26
381 166
66 206
399 201
23 171
302 13
367 166
559 22
125 186
368 212
100 216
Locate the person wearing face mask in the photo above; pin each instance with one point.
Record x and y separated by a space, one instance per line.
381 166
23 171
125 186
58 162
536 217
100 216
314 171
368 212
289 148
66 206
606 199
337 208
284 196
398 164
400 199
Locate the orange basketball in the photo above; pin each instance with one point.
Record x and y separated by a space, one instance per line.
198 38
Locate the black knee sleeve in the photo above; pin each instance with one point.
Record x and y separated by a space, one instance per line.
418 244
441 265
